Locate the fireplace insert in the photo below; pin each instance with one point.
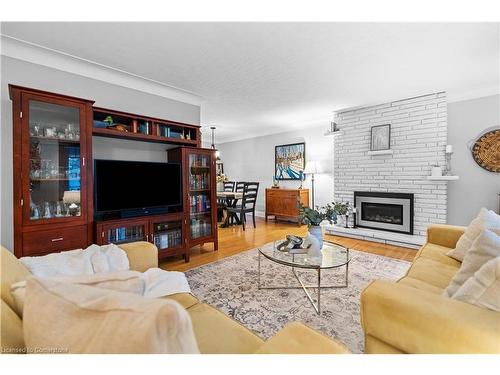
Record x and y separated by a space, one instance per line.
385 211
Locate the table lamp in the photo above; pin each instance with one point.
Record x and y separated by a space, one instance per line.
72 198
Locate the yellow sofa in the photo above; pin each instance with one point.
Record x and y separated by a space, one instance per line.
411 315
215 332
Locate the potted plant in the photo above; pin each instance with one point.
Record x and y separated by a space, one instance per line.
340 209
313 218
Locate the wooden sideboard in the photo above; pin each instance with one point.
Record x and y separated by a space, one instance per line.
283 203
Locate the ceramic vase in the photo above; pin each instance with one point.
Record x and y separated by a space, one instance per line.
315 231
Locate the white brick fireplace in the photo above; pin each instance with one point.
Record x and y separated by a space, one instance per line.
418 141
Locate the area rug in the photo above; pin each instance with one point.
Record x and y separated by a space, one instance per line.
231 286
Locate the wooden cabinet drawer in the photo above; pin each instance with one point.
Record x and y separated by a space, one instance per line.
49 241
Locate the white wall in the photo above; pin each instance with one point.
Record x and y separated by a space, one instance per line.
253 160
476 187
105 95
418 140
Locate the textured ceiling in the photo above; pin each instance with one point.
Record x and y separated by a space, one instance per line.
262 78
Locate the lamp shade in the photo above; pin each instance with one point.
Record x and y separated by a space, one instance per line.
312 167
71 197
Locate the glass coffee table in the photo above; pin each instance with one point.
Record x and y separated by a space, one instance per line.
334 256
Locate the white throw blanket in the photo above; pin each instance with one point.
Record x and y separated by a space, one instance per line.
95 263
94 259
159 283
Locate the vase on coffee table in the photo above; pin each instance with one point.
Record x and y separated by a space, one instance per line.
315 230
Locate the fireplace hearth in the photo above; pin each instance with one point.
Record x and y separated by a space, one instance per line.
385 211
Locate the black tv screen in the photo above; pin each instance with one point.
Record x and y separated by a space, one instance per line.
132 185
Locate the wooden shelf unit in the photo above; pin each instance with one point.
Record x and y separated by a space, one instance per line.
199 192
191 135
33 113
38 235
170 241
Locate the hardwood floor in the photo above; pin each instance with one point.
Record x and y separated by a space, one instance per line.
234 240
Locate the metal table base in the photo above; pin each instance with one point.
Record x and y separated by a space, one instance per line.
316 304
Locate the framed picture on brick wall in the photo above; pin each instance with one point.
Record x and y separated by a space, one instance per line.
380 137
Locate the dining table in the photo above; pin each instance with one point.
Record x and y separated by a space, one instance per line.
230 199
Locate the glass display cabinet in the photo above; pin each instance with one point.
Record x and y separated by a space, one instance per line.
50 172
200 219
200 193
54 161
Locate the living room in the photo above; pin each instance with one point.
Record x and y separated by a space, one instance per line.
250 188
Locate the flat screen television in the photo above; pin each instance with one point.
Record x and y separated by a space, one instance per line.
132 188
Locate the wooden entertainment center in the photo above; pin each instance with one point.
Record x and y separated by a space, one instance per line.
53 177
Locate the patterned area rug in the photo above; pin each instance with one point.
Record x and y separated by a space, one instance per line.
231 286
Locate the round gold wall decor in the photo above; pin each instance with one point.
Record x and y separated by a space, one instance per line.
486 151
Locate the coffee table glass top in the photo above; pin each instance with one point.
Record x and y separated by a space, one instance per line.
334 255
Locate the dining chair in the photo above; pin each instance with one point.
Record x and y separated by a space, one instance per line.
250 191
240 185
229 185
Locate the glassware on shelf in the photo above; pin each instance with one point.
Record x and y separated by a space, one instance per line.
60 209
69 132
35 129
35 212
54 157
50 132
47 212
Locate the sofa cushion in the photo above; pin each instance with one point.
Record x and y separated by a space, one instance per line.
218 334
12 271
84 319
483 288
486 219
438 253
432 272
419 284
485 247
297 338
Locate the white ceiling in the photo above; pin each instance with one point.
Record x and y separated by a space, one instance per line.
262 78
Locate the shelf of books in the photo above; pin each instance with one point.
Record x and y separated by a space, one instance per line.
125 233
167 234
199 196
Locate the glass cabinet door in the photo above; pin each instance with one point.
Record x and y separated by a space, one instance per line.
54 169
199 195
126 232
167 234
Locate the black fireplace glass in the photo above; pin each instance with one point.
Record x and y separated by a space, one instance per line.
382 212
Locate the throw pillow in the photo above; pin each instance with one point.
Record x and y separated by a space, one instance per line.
121 281
484 248
486 219
483 288
84 319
